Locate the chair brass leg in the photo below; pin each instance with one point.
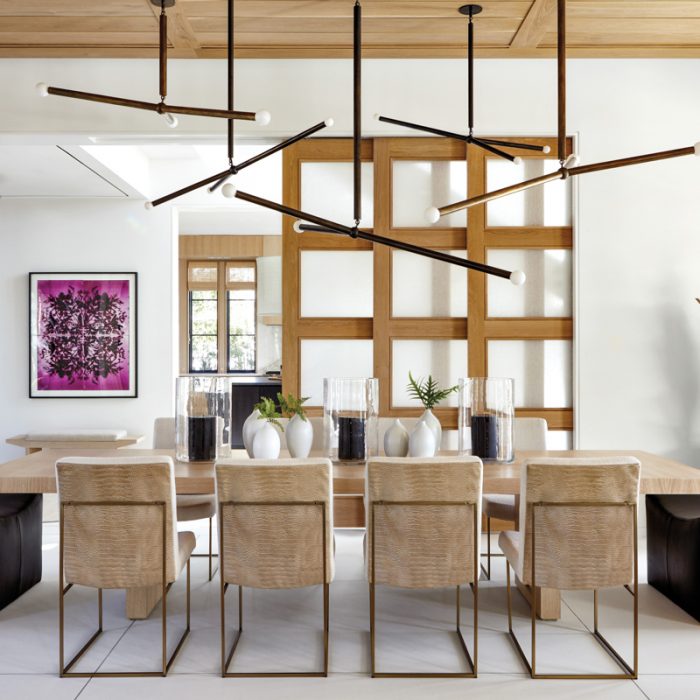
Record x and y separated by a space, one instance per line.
371 628
210 555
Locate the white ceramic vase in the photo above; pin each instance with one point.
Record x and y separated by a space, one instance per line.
434 424
266 442
396 440
251 425
421 443
300 435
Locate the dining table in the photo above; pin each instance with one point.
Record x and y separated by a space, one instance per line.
35 473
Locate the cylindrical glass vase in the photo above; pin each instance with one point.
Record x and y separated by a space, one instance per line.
202 417
350 417
486 415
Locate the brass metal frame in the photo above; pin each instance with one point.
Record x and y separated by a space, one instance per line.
475 591
487 569
227 658
629 672
165 588
210 555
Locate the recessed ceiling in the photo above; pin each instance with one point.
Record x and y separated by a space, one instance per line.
323 28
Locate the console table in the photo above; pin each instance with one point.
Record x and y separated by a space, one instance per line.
31 446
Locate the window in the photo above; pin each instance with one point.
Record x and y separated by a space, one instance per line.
222 316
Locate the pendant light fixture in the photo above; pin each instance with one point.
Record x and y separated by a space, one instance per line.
320 225
262 117
494 146
569 167
218 179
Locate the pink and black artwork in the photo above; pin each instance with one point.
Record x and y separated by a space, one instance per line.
83 335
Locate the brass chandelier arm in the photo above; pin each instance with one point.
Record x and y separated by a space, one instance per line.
189 188
561 80
163 53
634 160
357 110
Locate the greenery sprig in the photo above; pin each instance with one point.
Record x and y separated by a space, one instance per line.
427 391
292 406
268 411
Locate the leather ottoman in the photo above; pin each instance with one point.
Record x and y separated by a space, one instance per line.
20 544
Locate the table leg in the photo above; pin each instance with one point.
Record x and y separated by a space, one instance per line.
547 600
140 602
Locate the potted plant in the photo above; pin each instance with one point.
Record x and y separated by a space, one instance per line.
300 432
429 393
266 441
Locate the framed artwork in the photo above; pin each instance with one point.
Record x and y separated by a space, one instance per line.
82 334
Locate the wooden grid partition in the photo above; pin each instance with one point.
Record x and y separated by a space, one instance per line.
384 328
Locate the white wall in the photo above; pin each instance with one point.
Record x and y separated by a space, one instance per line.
638 327
47 235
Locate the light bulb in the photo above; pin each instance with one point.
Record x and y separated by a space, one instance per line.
148 205
432 215
297 226
517 277
697 148
263 117
517 160
329 121
572 161
171 119
42 89
546 149
229 190
377 116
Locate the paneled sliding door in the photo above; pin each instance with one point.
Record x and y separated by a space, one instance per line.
353 309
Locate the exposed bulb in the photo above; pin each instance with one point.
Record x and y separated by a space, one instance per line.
546 149
572 161
432 215
42 89
517 160
329 121
170 119
263 117
148 205
229 190
517 277
377 117
297 226
697 148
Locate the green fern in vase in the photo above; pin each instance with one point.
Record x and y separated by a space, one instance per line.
427 391
292 406
268 411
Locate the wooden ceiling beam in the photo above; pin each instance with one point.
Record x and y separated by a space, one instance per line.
180 33
535 25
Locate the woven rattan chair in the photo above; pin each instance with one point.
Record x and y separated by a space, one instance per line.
118 530
578 531
275 531
528 434
189 507
423 531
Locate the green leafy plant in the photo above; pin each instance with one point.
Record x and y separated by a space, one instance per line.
427 391
292 406
268 411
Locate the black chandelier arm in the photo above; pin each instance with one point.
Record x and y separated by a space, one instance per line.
421 127
561 80
470 62
493 149
189 188
357 111
513 144
163 53
229 61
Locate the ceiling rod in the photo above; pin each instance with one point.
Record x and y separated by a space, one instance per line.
233 169
321 225
569 166
262 117
484 143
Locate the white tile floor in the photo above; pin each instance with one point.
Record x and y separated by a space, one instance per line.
282 631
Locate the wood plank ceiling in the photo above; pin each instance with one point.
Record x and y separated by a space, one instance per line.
323 28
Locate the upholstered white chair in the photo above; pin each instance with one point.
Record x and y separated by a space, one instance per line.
118 530
275 531
423 530
528 434
578 531
189 507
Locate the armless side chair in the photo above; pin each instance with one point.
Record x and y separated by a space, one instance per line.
118 530
275 531
189 508
528 434
578 531
423 531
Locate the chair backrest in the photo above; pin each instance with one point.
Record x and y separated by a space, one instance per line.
530 434
585 528
430 538
118 541
164 434
271 522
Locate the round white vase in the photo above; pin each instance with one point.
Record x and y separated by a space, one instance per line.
396 440
421 443
251 425
300 436
266 442
434 424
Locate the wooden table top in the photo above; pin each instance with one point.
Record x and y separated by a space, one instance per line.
35 473
28 444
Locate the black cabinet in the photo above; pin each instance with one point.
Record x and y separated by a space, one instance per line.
245 393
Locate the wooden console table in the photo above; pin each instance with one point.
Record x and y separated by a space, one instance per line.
32 446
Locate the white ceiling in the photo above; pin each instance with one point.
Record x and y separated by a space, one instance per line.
50 171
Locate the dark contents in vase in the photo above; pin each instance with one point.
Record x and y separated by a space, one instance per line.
351 438
484 437
201 438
